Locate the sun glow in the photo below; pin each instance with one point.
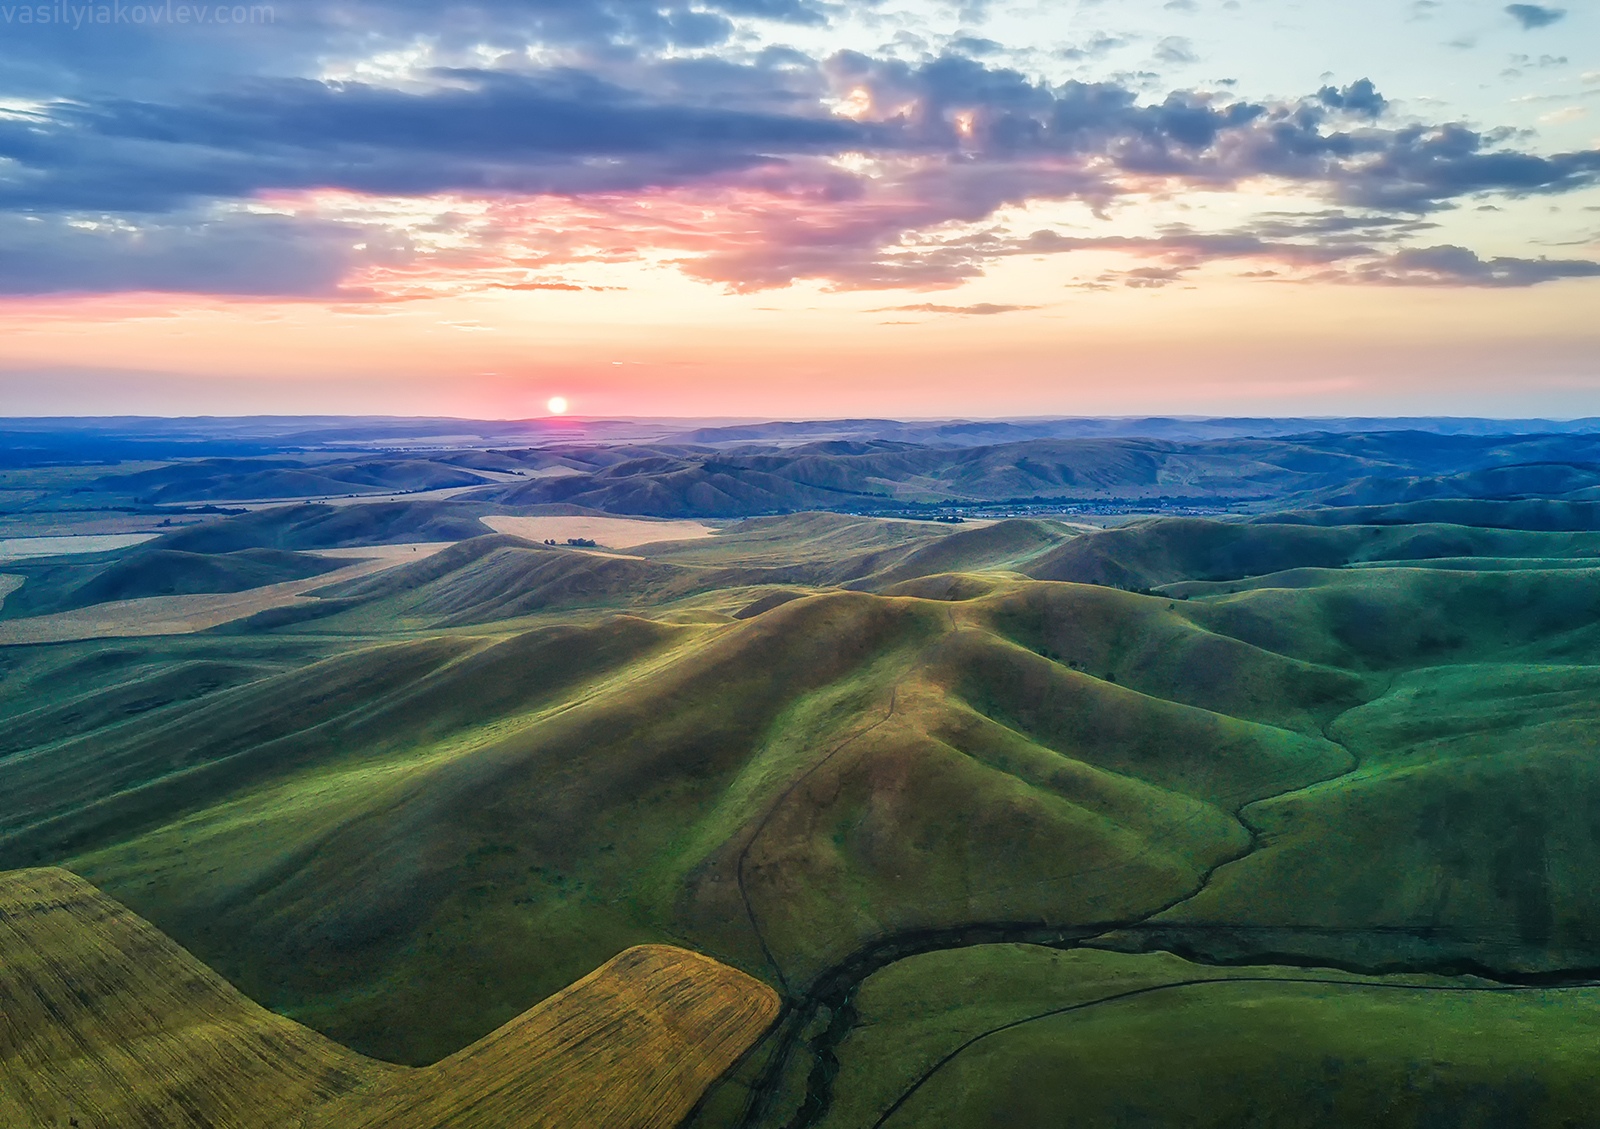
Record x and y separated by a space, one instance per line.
557 405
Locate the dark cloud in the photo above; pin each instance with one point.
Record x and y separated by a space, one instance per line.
561 132
1532 16
748 154
1203 139
1424 168
1360 98
1181 250
237 254
1457 266
295 37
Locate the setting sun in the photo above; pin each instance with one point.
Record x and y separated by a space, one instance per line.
557 405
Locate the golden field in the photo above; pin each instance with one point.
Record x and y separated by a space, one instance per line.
106 1023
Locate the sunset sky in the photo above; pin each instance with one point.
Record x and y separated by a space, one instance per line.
800 208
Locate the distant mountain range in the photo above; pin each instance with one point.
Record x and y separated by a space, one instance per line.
1159 474
976 433
996 468
29 441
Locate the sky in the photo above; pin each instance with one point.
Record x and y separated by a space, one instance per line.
800 208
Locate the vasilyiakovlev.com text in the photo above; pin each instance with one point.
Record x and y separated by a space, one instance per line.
77 16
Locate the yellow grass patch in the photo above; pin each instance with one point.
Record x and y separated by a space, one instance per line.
21 548
611 532
105 1020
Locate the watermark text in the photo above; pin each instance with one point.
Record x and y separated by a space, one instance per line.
167 13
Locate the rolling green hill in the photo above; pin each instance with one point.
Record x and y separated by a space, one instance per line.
823 748
1003 546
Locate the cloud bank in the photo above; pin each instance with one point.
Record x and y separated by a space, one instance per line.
636 132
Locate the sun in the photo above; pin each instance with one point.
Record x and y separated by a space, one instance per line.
557 405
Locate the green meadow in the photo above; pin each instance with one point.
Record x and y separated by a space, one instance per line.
1024 1035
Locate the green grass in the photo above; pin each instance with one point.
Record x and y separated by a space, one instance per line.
968 1038
1467 834
407 822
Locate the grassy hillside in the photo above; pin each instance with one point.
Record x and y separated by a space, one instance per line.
1006 545
693 811
815 745
107 1022
81 787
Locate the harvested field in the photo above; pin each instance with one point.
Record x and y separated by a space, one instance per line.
636 1042
106 1023
21 548
610 532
